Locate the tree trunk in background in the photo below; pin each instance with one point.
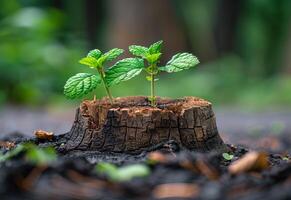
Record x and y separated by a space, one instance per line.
76 17
144 22
287 54
228 12
92 21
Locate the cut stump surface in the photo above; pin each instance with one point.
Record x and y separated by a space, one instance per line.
132 125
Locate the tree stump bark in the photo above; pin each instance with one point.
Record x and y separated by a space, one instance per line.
132 125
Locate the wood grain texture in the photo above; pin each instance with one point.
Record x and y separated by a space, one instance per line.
132 125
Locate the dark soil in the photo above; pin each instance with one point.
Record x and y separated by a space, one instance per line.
200 175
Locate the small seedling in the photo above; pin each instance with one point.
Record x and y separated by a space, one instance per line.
285 158
32 153
227 156
40 156
12 153
125 173
83 83
152 55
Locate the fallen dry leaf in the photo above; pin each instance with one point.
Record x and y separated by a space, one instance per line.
44 135
207 170
201 166
189 166
175 190
7 144
252 161
32 177
157 157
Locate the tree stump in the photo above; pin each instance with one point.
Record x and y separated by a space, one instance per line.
132 125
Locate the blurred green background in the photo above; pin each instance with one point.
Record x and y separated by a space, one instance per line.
244 47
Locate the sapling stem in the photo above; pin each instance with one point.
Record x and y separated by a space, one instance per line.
153 103
102 75
152 55
152 72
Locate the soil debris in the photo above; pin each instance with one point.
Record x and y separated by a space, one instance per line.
157 157
7 145
252 161
176 190
43 135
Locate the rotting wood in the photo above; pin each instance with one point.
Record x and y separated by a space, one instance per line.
132 125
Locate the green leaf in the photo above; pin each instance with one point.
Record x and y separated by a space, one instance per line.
113 53
12 153
137 50
89 61
32 153
227 156
81 84
124 70
125 173
156 47
101 61
41 156
96 53
106 168
153 58
180 62
129 172
285 158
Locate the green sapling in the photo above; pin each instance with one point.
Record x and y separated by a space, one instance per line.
152 55
83 83
125 69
